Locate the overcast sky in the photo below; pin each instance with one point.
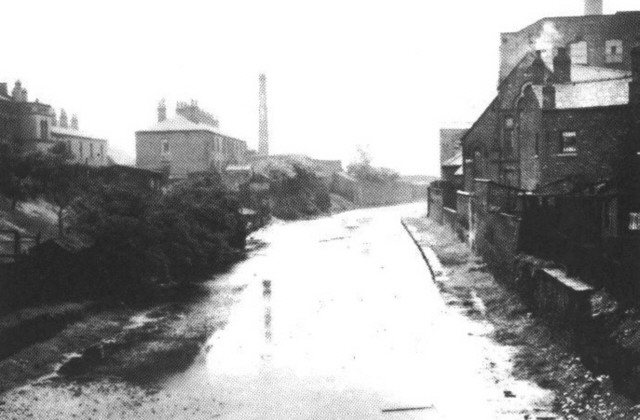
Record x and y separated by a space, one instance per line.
340 73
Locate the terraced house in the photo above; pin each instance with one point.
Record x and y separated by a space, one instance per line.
27 126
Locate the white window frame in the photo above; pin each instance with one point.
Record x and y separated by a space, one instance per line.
571 150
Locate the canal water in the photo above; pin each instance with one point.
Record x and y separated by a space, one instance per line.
338 318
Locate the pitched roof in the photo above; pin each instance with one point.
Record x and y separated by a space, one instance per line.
71 132
455 160
180 123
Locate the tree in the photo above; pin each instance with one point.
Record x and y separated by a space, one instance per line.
16 178
61 184
362 169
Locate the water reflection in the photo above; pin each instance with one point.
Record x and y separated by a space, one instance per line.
266 294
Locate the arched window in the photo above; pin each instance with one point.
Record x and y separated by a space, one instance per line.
478 164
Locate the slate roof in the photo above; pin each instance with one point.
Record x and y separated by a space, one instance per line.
180 123
454 161
71 132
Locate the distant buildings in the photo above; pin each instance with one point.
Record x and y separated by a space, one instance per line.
30 126
190 142
451 154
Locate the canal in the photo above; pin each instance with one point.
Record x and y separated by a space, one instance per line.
332 318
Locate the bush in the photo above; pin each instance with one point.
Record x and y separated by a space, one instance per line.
144 239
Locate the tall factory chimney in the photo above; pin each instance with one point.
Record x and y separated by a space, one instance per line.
592 7
263 126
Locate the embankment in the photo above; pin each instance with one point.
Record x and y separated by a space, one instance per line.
545 352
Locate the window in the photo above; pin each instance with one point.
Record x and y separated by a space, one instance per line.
101 150
44 129
537 145
634 221
579 53
91 150
165 147
80 151
508 134
613 51
569 142
69 147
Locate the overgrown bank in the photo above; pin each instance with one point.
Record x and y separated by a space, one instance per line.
545 354
117 238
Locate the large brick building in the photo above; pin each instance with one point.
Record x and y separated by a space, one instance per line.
29 126
559 111
552 166
190 142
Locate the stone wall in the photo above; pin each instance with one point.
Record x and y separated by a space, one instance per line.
435 204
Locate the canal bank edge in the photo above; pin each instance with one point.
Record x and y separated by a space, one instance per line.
543 354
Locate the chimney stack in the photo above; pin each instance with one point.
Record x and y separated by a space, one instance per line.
74 122
592 7
538 69
562 66
4 90
17 91
548 96
162 111
263 124
64 123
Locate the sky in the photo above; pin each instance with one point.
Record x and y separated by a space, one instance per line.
385 75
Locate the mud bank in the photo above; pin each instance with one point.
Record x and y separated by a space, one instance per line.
139 347
545 354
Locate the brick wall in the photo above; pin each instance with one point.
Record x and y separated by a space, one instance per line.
495 237
186 151
600 132
478 143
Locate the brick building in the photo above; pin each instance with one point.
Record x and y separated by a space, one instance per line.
190 142
552 166
559 111
30 126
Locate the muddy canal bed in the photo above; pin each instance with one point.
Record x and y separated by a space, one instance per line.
333 318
